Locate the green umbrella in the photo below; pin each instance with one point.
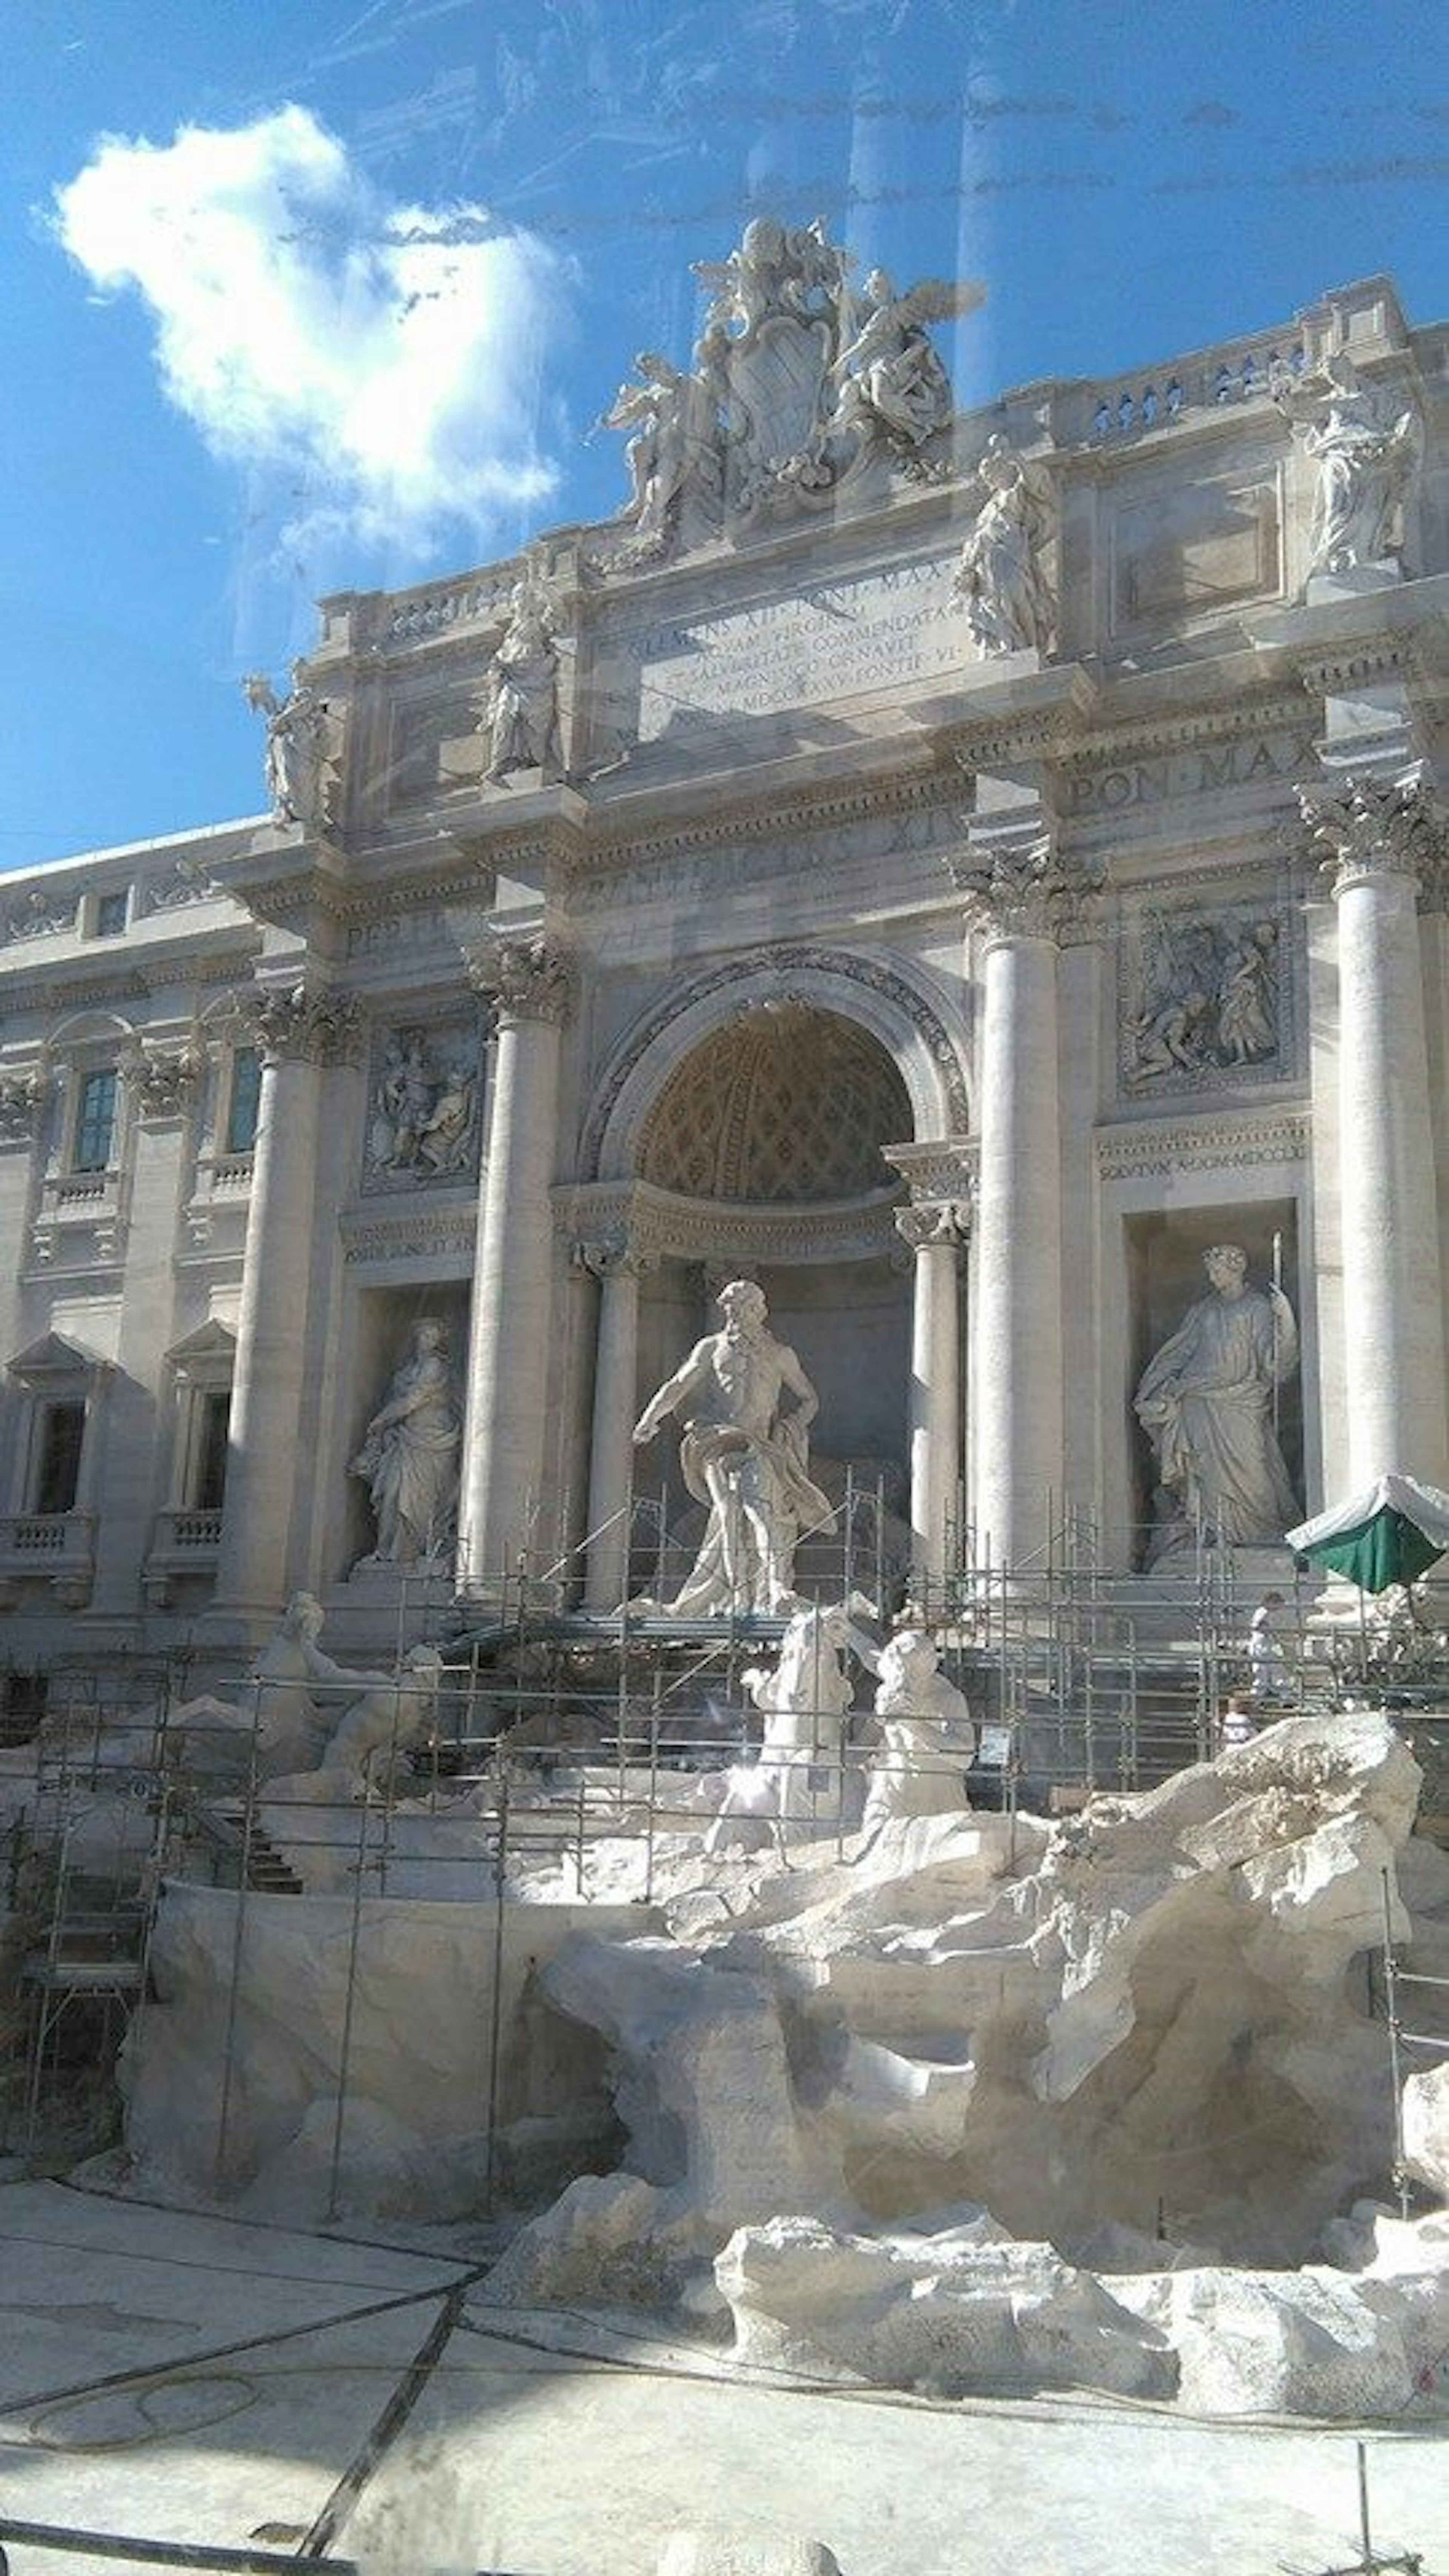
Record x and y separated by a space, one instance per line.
1388 1534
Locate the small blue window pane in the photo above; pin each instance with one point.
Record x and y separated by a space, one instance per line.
95 1123
111 912
244 1101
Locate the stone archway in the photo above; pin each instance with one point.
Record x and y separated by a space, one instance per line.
772 1144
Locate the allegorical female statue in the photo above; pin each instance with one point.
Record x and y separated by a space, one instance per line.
1000 579
409 1454
1206 1404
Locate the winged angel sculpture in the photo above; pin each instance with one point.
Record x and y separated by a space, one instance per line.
798 381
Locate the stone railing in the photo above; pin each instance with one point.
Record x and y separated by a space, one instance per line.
186 1534
54 1547
1157 398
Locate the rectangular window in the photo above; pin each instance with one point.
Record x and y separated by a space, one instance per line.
208 1471
243 1101
111 911
57 1464
95 1124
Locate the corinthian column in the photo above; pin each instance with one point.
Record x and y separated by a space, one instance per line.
297 1031
1023 902
618 1264
1379 840
934 1413
528 985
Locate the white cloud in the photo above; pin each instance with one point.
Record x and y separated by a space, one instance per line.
387 356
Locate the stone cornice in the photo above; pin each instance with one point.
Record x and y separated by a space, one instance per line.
766 818
644 1224
1113 744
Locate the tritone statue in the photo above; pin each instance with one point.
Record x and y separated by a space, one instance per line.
1206 1404
744 1455
927 1739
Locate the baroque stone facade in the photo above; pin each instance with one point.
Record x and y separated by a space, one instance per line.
955 870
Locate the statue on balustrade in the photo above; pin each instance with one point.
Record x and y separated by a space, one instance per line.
521 718
1001 580
297 746
409 1454
745 1457
1206 1404
892 382
1365 459
676 451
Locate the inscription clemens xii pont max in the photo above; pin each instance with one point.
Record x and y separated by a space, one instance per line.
874 630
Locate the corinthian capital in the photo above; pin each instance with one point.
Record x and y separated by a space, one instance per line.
297 1023
163 1079
524 979
618 1254
924 1223
1022 888
1367 826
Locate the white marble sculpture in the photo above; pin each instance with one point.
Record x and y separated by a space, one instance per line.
521 717
803 1701
674 452
891 383
285 1713
744 1457
297 746
1001 580
926 1736
1366 458
1206 1403
380 1725
409 1453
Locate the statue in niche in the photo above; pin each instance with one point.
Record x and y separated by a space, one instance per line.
1205 1402
892 383
927 1740
409 1454
521 718
803 1702
675 452
423 1110
1000 579
1209 1000
1365 459
297 746
744 1457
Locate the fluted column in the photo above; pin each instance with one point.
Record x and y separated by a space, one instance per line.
1380 842
528 985
934 1412
297 1030
618 1264
1024 901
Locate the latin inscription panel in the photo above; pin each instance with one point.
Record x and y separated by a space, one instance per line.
836 639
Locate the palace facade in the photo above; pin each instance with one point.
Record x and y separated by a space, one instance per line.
953 869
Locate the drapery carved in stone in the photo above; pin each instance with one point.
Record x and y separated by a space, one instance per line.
423 1107
1202 1000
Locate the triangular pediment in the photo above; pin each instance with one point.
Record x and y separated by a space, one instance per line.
208 1353
55 1357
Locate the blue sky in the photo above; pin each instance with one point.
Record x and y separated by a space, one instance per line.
320 297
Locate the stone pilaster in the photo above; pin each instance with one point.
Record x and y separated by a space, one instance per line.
528 985
1023 902
297 1030
934 1233
1380 845
618 1264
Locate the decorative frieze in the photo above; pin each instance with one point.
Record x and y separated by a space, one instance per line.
423 1104
42 912
187 882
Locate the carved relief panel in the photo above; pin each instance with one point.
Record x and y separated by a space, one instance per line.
422 1106
1204 1000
